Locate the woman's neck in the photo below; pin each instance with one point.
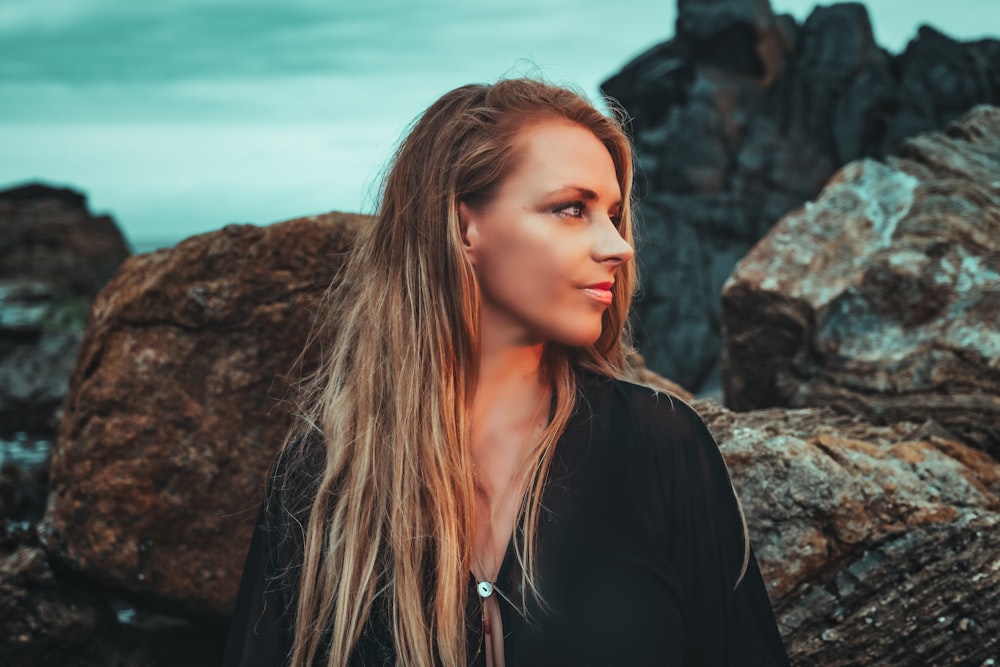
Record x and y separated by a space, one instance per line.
508 412
509 415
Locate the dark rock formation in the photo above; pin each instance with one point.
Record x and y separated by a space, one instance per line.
40 333
46 618
174 408
47 234
742 117
879 544
42 623
882 297
54 257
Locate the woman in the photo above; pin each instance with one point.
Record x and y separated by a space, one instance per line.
470 483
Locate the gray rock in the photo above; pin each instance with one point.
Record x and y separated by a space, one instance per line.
40 334
868 536
882 297
54 257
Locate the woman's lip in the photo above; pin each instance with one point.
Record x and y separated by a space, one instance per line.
597 293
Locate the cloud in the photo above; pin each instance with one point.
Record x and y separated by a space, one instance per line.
113 41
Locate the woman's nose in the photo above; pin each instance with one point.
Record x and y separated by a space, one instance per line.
609 245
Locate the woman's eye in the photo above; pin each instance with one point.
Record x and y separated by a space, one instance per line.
574 209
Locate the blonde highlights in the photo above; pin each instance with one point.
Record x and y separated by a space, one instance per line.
389 526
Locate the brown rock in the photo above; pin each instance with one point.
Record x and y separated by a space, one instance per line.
882 297
876 541
41 623
174 409
48 234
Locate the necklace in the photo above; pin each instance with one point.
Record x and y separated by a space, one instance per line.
485 583
485 589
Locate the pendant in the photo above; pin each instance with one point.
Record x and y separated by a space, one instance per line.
485 589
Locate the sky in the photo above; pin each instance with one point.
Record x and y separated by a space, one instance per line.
180 116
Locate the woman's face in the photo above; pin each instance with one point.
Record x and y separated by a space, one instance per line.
546 248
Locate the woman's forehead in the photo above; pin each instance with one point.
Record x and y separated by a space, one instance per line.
558 154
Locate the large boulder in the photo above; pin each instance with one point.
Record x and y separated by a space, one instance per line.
882 297
745 115
175 408
878 543
54 257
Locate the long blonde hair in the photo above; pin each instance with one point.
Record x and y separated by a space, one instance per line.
390 517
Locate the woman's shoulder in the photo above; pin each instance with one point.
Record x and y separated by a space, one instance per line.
659 429
653 411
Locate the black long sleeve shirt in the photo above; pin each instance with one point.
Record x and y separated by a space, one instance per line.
639 554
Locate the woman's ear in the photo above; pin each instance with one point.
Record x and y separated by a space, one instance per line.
469 228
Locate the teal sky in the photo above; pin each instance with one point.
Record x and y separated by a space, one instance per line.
181 116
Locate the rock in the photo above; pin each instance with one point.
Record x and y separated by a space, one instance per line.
882 297
40 334
175 412
939 80
735 35
926 597
640 374
744 116
54 257
48 234
875 541
48 620
42 624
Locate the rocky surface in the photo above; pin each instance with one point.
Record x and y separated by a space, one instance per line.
882 297
174 411
54 257
745 115
879 543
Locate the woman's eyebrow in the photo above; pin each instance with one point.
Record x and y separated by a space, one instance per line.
585 194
